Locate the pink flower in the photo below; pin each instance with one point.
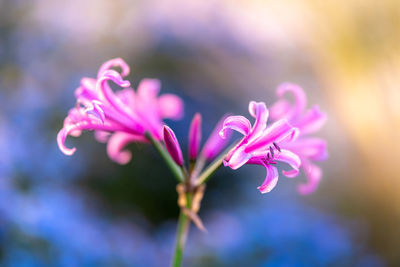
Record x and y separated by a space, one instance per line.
260 144
308 121
118 118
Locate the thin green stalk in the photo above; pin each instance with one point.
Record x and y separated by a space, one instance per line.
213 167
182 233
175 169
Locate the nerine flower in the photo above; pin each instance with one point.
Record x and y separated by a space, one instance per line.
121 117
261 144
309 121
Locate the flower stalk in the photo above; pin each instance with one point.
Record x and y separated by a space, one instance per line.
175 169
182 233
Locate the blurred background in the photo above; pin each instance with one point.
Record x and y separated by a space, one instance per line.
217 55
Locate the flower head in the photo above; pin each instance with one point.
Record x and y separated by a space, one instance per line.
308 121
260 144
118 118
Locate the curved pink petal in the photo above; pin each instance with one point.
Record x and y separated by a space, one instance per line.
280 110
194 136
313 175
116 62
102 136
148 89
147 106
257 160
78 126
290 158
278 131
312 148
87 90
312 121
299 96
215 143
237 123
171 106
270 180
88 83
95 110
127 96
116 144
107 93
172 145
124 113
238 158
61 137
259 111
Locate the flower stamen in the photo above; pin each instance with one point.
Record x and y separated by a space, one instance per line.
276 146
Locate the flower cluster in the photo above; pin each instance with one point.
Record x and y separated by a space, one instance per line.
286 140
137 116
260 144
118 118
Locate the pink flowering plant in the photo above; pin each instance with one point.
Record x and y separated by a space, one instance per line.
280 134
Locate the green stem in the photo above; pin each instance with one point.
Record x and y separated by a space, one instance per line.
203 178
182 233
175 169
213 167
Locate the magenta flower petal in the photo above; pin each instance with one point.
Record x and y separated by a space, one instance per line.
260 112
299 96
280 109
215 144
237 123
277 132
148 89
310 147
312 121
61 137
238 158
313 175
270 180
102 136
96 111
194 136
171 106
107 93
117 143
116 62
79 126
290 158
172 145
147 101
